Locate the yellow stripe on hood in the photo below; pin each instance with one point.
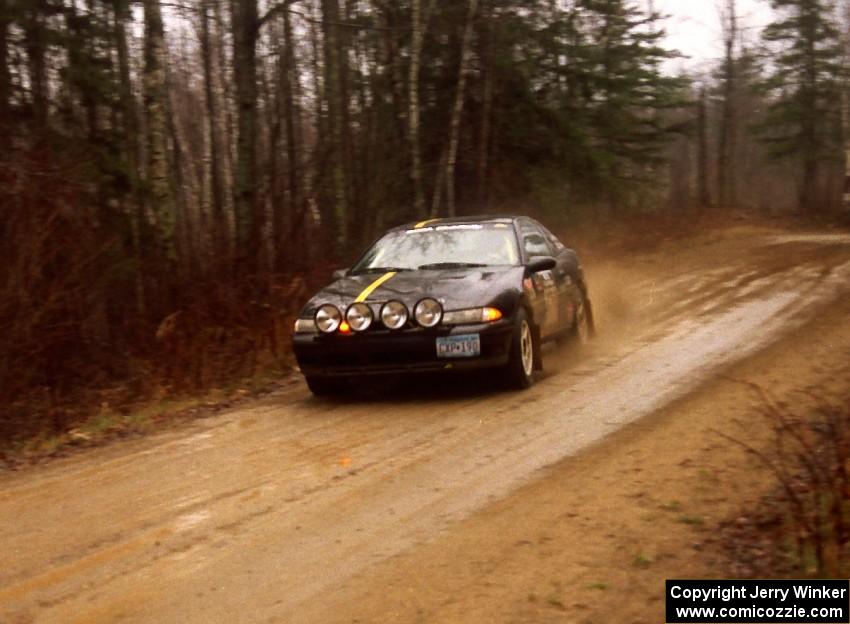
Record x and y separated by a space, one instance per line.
374 286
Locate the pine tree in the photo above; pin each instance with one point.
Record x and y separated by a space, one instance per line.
626 93
803 120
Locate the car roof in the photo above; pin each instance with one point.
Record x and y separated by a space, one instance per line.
508 219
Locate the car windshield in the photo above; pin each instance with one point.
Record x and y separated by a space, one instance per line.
442 247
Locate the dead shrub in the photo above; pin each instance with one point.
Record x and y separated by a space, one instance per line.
808 518
53 324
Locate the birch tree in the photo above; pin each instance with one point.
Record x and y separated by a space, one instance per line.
159 204
726 150
457 109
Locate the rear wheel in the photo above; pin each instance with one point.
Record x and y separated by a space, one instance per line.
519 371
583 325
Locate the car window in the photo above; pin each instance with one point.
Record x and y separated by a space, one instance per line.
534 242
557 245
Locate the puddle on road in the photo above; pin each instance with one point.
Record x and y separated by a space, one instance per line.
819 239
189 521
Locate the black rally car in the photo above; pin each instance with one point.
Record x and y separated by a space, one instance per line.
445 295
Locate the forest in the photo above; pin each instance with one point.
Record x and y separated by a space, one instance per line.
176 174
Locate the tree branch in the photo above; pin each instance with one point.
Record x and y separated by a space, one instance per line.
274 11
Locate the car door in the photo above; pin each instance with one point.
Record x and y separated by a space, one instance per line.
568 278
571 279
535 244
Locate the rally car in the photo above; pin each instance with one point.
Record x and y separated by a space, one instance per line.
445 295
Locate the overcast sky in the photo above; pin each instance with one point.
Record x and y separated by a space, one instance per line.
694 26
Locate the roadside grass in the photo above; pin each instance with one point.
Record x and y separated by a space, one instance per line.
692 520
107 423
673 506
642 561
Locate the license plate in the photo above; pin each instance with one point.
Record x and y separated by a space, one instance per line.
459 346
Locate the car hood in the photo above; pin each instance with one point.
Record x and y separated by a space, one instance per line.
455 289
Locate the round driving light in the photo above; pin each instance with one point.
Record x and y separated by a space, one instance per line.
394 314
359 316
428 313
328 318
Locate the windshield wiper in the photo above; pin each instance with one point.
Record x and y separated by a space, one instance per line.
380 270
451 265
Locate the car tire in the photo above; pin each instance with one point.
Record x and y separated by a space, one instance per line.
582 330
323 387
519 371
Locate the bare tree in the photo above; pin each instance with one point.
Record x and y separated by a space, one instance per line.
337 103
160 210
220 240
5 77
845 99
249 214
413 113
729 114
488 86
703 192
35 42
457 110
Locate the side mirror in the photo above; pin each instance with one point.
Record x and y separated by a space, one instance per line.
339 274
541 263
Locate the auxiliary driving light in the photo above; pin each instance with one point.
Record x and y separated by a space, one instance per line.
394 315
359 317
428 313
328 318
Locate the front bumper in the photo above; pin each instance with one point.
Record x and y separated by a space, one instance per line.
382 352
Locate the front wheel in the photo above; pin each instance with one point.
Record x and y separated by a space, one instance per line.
519 371
323 386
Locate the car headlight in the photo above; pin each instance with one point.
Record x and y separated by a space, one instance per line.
306 326
328 318
394 314
472 316
359 317
428 313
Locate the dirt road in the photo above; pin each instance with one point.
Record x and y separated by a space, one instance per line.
264 514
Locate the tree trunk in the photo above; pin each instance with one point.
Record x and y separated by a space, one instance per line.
703 192
457 110
391 61
5 76
159 201
221 251
334 95
413 112
35 43
487 111
726 150
132 146
292 117
845 132
79 66
809 102
249 214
